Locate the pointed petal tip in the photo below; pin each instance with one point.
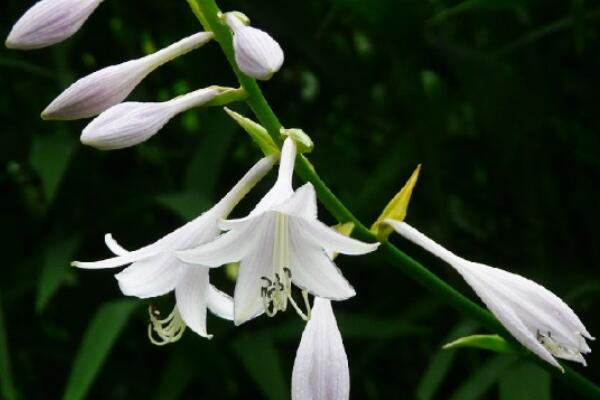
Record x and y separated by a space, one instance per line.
49 115
9 44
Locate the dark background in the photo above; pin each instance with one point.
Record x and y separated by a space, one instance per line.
497 99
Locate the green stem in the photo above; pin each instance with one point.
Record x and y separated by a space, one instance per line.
207 12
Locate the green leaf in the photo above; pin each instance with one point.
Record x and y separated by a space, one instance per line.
494 343
99 338
259 135
55 269
7 387
483 378
259 356
526 381
440 365
49 158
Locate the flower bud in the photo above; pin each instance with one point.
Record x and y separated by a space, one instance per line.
93 94
257 54
49 22
321 365
131 123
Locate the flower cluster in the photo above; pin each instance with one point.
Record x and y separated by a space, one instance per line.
285 253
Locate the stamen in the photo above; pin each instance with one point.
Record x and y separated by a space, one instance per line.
166 330
277 292
552 345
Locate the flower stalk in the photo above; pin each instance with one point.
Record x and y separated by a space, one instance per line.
207 12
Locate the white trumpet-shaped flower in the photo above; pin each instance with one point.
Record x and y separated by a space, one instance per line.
257 54
131 123
280 242
97 92
49 22
155 270
537 318
321 365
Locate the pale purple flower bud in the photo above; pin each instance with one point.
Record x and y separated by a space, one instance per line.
257 54
49 22
131 123
97 92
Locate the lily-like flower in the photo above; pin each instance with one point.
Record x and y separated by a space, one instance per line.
155 271
536 317
257 54
97 92
280 242
49 22
131 123
321 365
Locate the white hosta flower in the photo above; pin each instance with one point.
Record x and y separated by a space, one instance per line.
280 242
155 270
321 365
49 22
257 54
131 123
97 92
536 317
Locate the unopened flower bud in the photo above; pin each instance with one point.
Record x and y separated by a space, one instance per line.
49 22
321 364
257 54
131 123
93 94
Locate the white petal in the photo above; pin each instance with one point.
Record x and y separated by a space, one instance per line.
97 92
239 223
539 311
303 203
129 257
257 54
420 239
543 300
323 236
219 303
507 316
191 295
244 185
150 277
321 365
282 189
248 302
314 271
49 22
484 287
113 246
229 247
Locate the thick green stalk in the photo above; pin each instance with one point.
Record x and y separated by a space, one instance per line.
207 12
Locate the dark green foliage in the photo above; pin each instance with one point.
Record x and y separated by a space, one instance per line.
497 99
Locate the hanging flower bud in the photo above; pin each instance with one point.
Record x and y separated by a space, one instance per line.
321 365
97 92
256 53
131 123
49 22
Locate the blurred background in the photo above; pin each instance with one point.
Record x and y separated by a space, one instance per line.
498 99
